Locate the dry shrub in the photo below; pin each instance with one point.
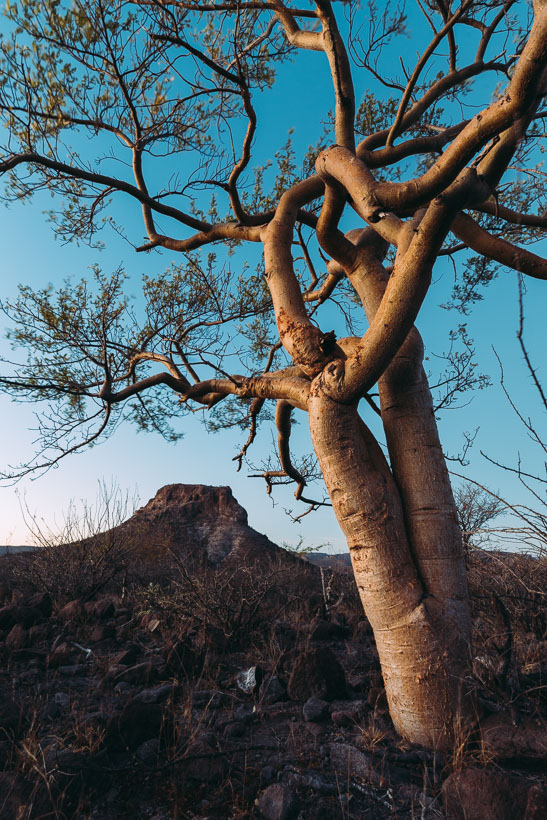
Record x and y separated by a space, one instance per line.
83 556
237 602
519 581
508 602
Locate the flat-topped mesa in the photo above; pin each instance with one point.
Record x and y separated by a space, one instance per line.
194 502
196 522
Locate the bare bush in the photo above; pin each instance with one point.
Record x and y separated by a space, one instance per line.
476 507
84 554
518 581
235 602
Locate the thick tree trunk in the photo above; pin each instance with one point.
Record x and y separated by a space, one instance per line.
414 622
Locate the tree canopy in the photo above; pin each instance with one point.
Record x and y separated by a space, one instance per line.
154 103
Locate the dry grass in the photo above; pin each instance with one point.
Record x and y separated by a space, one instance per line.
234 610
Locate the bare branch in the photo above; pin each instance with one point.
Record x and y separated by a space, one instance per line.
466 229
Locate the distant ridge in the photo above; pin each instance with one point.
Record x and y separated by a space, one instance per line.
340 561
11 550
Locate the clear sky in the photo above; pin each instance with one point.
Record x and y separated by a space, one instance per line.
143 463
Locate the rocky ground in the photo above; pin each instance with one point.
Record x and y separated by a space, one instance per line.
245 690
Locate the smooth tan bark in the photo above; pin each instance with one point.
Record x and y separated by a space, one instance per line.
413 633
417 460
417 503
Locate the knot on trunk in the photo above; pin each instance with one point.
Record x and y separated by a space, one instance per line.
331 379
309 347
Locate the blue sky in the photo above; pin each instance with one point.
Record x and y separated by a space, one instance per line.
143 463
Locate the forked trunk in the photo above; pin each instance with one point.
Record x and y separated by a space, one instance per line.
421 632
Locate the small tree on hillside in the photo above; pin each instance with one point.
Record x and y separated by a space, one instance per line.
155 99
476 508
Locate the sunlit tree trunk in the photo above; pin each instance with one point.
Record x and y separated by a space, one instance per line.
413 592
400 522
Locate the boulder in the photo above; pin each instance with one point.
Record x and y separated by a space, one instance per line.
204 764
17 638
482 794
42 602
73 611
349 761
272 690
148 752
61 655
350 714
315 710
277 802
137 723
38 633
316 673
100 610
25 616
159 694
127 656
505 740
102 632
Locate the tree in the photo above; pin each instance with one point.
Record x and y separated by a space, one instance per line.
156 99
476 507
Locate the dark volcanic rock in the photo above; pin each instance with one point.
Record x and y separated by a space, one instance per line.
315 710
277 802
14 614
17 638
137 723
42 602
481 794
316 673
73 611
504 740
203 763
272 690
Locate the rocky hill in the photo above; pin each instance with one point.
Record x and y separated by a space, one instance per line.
195 521
239 687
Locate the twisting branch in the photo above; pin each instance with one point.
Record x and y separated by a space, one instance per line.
509 215
295 35
283 413
488 31
254 410
477 238
74 172
253 5
342 80
242 163
322 293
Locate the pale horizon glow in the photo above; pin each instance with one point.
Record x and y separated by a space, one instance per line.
141 464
